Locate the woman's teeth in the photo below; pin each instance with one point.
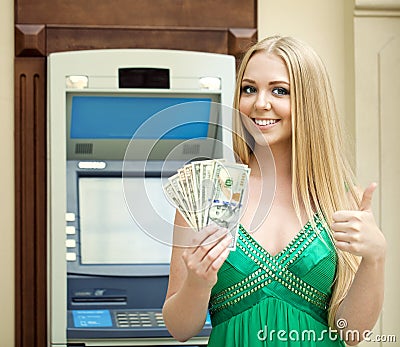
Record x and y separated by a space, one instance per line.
265 121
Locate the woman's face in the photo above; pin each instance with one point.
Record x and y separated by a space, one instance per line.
265 100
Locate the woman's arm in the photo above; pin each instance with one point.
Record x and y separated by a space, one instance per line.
193 273
356 232
360 310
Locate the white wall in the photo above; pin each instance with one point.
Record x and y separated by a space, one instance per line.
377 52
7 173
327 25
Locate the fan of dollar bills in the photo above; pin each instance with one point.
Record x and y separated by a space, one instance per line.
209 191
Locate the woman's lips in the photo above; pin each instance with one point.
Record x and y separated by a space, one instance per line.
265 123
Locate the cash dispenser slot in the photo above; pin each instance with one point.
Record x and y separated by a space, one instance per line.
100 296
93 299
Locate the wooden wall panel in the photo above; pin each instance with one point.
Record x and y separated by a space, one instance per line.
30 201
182 13
40 40
69 38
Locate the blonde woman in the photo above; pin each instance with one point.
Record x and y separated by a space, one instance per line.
311 272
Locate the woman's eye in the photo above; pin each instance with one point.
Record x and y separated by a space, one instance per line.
249 90
280 91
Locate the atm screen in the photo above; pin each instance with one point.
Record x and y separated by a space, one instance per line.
109 234
101 125
120 117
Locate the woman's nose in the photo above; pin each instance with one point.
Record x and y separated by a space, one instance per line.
261 102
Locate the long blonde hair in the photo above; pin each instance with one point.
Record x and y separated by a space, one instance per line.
322 179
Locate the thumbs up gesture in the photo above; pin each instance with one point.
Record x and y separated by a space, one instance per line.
356 231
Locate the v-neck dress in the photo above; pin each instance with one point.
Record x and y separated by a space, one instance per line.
281 300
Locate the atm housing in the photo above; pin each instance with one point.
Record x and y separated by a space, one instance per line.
107 275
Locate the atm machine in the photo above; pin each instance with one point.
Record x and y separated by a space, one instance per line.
119 123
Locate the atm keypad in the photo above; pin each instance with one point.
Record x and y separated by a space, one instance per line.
139 319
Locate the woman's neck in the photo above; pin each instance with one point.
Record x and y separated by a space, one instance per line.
279 157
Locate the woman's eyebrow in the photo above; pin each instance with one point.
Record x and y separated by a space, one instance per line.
249 80
279 82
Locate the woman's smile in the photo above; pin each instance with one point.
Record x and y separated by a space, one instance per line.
265 123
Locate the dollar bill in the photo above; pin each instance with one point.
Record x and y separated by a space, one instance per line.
179 191
192 193
226 205
176 201
196 167
206 187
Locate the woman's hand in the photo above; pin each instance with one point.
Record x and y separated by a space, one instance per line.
196 258
356 232
207 255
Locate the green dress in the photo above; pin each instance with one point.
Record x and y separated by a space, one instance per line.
281 300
